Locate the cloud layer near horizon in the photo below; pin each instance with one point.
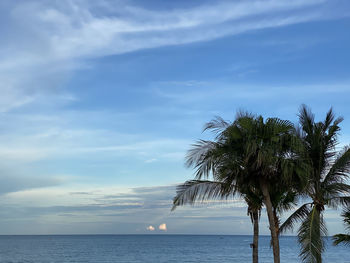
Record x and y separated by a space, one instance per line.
112 210
131 210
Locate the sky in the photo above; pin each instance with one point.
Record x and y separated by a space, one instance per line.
100 100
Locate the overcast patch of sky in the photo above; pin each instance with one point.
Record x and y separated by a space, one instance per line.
113 93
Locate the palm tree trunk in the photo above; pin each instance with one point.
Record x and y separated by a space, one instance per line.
256 237
269 210
277 228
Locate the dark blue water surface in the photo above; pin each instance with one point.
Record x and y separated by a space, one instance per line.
150 248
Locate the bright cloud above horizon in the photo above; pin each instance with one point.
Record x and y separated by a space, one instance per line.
102 99
162 227
150 228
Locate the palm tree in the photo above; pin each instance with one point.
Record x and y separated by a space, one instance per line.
247 152
344 238
326 181
271 149
255 203
194 191
283 199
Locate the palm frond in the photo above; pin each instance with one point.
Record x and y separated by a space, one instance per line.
197 191
331 131
286 202
331 128
346 218
330 116
339 201
299 215
310 236
254 200
216 125
335 190
202 157
244 114
341 239
306 119
279 126
336 194
295 171
340 170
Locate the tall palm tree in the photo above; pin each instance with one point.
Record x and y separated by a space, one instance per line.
248 152
326 181
271 149
283 199
194 191
344 238
255 203
222 187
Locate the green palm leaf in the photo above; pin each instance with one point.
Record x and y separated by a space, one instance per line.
217 125
310 236
202 156
340 169
195 191
341 239
339 201
300 214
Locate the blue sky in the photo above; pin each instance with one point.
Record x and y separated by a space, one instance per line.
101 100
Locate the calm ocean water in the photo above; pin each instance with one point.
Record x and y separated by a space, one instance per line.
150 248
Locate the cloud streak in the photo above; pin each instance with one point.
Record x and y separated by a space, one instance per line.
79 31
62 35
11 181
112 210
101 206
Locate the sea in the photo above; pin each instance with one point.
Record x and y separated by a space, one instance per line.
152 249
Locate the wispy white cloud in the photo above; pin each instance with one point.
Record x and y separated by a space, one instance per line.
179 92
79 32
151 160
14 181
60 35
30 151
